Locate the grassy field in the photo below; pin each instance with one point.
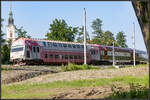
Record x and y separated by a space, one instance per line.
41 90
91 83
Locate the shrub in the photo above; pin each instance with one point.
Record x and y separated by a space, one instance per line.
71 67
135 91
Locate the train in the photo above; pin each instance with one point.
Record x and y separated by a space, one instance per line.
40 51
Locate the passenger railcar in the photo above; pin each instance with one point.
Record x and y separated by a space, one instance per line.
36 51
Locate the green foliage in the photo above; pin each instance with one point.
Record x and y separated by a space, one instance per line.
73 67
139 65
59 30
97 27
121 41
106 38
5 54
101 38
135 91
5 49
80 34
22 33
6 69
2 34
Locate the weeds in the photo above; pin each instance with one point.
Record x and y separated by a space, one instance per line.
72 67
135 91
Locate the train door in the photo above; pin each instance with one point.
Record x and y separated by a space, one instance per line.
95 54
105 55
36 52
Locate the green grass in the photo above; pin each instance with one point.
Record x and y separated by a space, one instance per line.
139 65
73 67
34 90
135 91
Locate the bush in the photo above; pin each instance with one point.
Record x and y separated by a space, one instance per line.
135 91
71 67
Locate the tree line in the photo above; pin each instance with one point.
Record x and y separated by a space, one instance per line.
60 30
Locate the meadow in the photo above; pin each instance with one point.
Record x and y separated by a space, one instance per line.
98 87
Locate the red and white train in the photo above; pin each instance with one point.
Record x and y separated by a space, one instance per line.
36 51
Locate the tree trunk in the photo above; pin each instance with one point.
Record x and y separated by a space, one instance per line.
141 10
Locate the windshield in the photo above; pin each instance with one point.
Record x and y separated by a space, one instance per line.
17 48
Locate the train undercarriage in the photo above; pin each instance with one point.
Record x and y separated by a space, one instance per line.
21 62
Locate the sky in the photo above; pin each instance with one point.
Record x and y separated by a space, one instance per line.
36 17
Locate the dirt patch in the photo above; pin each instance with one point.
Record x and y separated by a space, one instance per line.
22 77
84 93
99 92
88 74
11 74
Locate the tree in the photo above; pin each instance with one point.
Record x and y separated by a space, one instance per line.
142 12
22 33
80 37
96 41
120 38
5 54
107 38
59 30
97 27
2 34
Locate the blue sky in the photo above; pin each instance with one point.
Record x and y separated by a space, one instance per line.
35 17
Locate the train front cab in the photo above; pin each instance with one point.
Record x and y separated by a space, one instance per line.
16 53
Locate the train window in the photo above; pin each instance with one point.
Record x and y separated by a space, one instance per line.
27 46
75 57
82 57
66 56
105 52
56 56
69 45
28 54
60 45
44 43
74 46
49 44
71 57
82 46
46 55
65 45
79 57
63 57
51 56
93 52
78 46
102 52
17 49
38 50
55 44
33 49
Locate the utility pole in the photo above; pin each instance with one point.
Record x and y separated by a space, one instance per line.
113 55
84 36
134 43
